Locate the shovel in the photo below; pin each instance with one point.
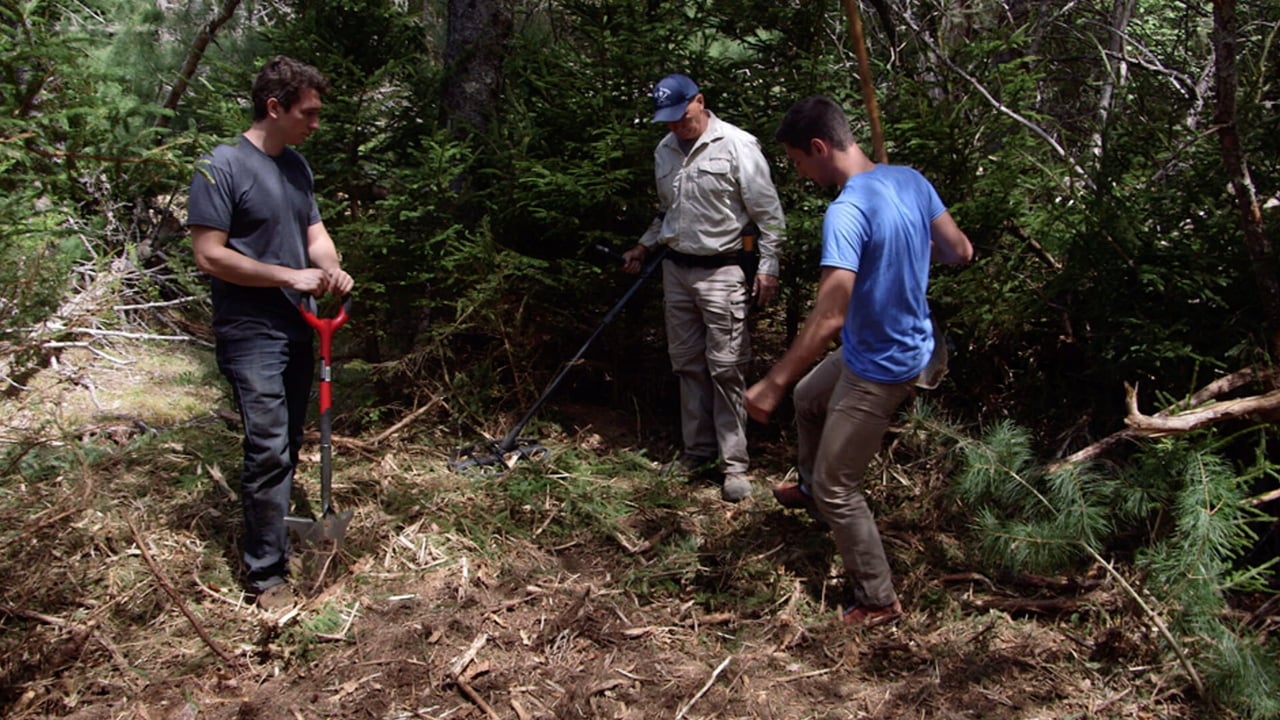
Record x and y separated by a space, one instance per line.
331 526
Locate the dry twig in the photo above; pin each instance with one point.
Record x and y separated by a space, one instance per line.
698 695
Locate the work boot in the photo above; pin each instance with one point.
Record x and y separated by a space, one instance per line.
736 487
869 617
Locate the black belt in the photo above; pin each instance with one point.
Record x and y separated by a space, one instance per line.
703 261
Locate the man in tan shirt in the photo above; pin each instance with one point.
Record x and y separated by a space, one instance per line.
713 182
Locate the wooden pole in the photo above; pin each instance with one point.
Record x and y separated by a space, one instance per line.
879 153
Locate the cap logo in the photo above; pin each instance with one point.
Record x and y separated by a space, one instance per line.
662 96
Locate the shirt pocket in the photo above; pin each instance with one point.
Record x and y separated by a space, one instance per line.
715 177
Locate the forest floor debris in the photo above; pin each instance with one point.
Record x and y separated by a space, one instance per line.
585 588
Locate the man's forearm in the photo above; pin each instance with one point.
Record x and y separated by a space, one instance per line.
820 328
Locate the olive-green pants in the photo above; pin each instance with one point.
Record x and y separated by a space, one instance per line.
706 314
841 420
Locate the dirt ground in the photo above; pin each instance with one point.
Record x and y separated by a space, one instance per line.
455 597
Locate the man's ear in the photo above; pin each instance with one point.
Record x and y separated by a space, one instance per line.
274 108
819 147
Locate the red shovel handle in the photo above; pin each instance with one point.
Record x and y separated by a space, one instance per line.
325 327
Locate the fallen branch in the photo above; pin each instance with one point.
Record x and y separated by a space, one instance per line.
1160 426
1190 414
475 698
373 443
461 662
177 601
1037 606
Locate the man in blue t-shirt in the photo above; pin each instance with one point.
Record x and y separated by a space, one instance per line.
256 231
878 238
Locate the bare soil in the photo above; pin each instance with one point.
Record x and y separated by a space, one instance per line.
460 597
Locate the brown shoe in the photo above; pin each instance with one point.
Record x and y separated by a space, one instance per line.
870 617
789 495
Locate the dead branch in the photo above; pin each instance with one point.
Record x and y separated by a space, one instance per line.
192 61
461 662
1160 426
175 599
698 695
391 431
1037 606
479 701
1199 410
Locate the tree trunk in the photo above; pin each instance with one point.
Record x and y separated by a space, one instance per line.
475 47
1117 70
192 62
1266 269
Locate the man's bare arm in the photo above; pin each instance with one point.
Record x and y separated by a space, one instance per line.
324 255
821 327
950 245
214 257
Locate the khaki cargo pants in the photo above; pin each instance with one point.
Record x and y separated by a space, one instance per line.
707 339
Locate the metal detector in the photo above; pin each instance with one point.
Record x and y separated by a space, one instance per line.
496 456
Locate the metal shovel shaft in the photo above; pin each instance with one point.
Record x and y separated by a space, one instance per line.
491 454
330 525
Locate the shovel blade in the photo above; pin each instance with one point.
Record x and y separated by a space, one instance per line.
331 527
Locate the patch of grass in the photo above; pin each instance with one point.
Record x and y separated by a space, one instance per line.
299 642
673 567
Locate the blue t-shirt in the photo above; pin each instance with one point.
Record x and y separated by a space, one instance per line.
879 227
265 204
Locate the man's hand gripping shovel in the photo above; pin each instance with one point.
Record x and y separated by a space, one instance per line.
329 529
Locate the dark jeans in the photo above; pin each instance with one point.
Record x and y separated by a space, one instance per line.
271 380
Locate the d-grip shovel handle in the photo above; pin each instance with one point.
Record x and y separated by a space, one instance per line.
325 327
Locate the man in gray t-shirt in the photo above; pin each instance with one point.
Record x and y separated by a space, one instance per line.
256 231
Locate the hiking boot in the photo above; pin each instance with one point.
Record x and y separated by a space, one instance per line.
869 617
736 487
276 597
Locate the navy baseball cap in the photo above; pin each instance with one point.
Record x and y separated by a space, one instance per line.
671 96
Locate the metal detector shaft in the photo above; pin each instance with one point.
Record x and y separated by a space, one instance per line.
509 441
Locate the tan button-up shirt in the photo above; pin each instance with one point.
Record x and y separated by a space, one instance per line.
707 197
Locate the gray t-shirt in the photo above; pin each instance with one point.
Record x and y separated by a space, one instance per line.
265 204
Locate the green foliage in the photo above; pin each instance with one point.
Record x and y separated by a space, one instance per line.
1186 506
1026 519
562 500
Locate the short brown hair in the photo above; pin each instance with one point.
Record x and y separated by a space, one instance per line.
284 79
815 118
